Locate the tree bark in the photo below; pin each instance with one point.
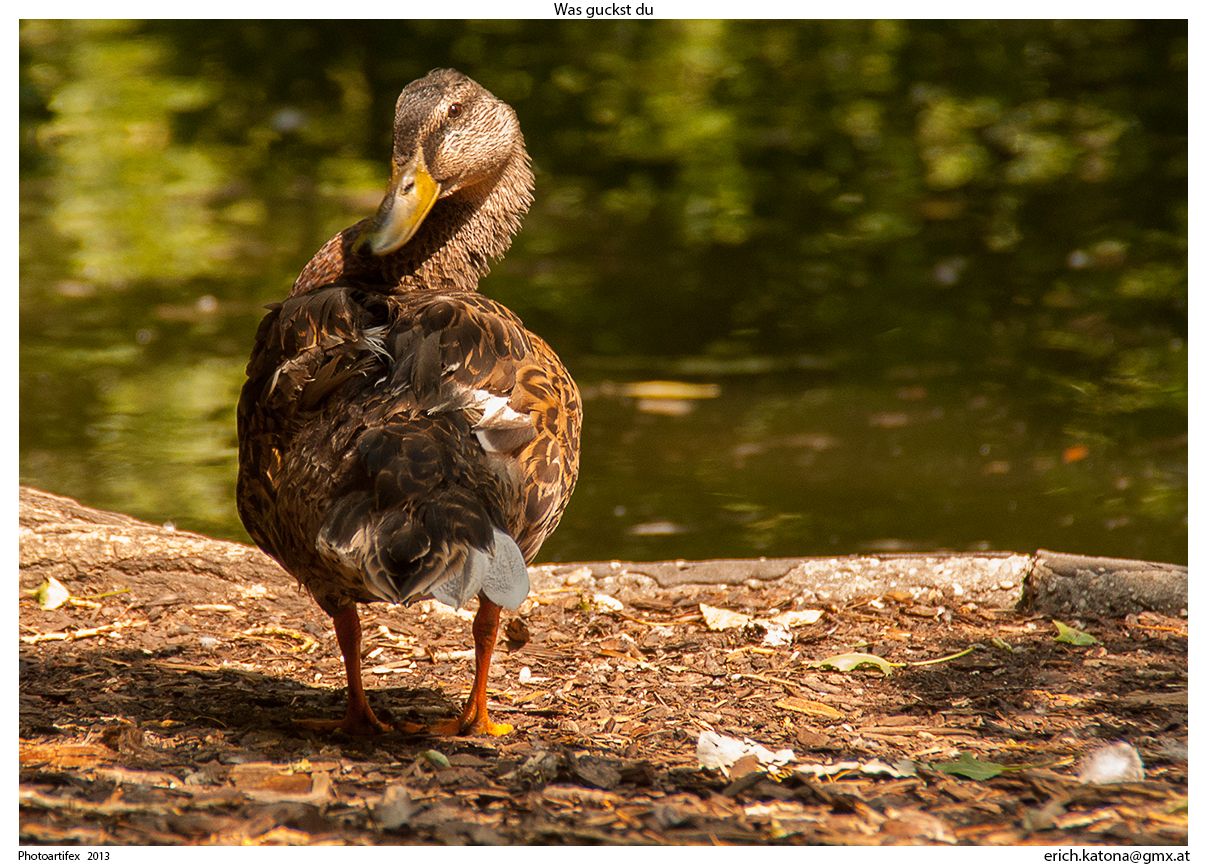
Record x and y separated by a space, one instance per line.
60 538
1065 582
63 539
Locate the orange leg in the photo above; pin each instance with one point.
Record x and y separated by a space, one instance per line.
359 719
473 719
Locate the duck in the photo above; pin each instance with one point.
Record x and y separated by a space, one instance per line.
402 436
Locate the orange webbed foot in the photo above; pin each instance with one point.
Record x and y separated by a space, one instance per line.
459 727
470 728
473 720
364 724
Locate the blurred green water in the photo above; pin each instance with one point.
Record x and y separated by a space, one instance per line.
937 271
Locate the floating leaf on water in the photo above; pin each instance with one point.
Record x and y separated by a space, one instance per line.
971 768
1071 635
672 408
658 527
1075 453
850 661
662 390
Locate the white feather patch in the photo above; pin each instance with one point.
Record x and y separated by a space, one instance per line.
497 414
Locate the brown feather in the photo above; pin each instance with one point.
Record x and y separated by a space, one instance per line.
390 406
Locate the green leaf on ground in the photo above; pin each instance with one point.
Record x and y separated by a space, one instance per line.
851 661
971 768
1071 635
436 759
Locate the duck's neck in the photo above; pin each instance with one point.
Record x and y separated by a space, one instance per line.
451 251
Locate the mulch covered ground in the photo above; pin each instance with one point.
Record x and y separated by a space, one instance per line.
165 715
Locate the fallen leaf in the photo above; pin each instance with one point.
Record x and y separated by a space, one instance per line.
573 796
850 661
606 602
1070 635
715 751
51 594
435 758
526 676
971 768
718 619
744 765
516 633
900 769
914 825
794 618
775 634
282 836
83 633
151 778
776 627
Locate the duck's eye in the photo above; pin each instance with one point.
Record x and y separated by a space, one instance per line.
454 109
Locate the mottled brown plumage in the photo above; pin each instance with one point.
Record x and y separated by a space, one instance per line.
400 435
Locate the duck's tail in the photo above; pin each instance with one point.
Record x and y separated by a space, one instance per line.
407 557
499 572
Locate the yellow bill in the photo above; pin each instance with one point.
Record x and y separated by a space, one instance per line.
408 200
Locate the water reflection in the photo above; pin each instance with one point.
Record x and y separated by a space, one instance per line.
828 286
778 464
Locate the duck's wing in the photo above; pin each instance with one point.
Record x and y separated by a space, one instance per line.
311 353
437 440
549 462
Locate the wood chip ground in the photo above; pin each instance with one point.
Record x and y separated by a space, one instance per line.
165 715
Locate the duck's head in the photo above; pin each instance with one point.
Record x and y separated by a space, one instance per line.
451 138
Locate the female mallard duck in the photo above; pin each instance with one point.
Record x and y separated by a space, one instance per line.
400 435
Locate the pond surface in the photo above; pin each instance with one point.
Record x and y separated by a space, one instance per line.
800 329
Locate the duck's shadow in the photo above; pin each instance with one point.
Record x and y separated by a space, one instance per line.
207 709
